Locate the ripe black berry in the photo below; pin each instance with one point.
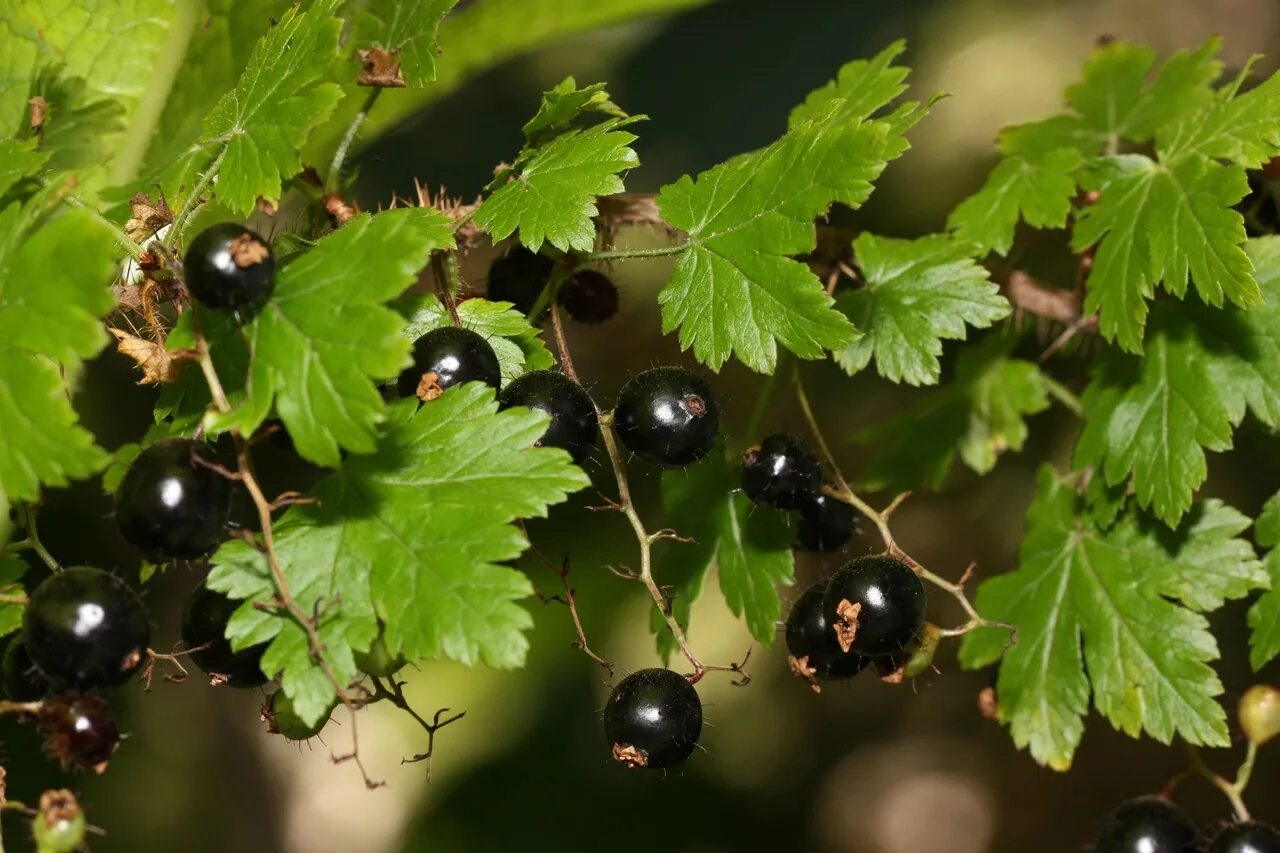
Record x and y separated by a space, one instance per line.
446 357
588 296
653 719
85 628
1146 825
282 719
815 653
78 730
1249 837
574 426
23 682
875 604
519 277
826 523
204 623
169 504
228 267
667 416
780 472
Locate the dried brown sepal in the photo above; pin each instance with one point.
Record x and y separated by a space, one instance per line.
696 405
429 387
987 706
801 668
268 716
146 217
267 208
380 68
247 250
59 805
217 679
892 669
340 213
158 365
846 624
4 797
630 756
39 107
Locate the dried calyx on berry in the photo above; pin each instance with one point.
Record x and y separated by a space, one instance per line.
815 653
588 296
653 719
78 730
446 357
59 825
875 605
173 502
667 416
227 267
204 632
780 471
574 424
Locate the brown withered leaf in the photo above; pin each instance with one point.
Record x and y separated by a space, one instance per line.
156 363
381 68
147 217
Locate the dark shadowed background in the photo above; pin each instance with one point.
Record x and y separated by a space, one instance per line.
863 768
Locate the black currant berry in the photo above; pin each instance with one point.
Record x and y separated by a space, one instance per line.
815 653
204 623
1249 837
667 416
446 357
588 296
1146 825
86 628
574 426
78 730
780 472
875 605
171 503
653 719
282 719
826 523
519 277
228 267
23 682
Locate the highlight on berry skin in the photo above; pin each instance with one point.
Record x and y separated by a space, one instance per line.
229 268
667 416
653 719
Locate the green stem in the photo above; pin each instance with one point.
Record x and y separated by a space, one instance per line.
762 403
192 202
334 179
29 523
630 254
1063 395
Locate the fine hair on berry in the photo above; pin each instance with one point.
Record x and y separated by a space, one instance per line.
172 502
653 719
445 357
574 424
875 605
228 267
667 416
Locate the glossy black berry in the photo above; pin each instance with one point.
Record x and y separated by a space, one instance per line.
875 605
446 357
1252 836
519 277
23 681
229 268
826 523
574 426
667 416
204 632
282 719
780 472
653 719
815 652
78 730
86 628
169 504
589 296
1146 825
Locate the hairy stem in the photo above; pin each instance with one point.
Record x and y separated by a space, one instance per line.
628 254
33 537
334 179
193 201
558 276
123 240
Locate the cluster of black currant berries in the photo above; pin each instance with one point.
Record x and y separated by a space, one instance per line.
1155 825
782 472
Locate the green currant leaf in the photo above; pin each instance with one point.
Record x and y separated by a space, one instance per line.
565 104
737 289
1116 614
326 335
1152 418
916 294
1157 223
1240 128
517 344
1264 615
275 105
414 535
405 30
49 312
12 568
749 545
81 129
979 415
18 160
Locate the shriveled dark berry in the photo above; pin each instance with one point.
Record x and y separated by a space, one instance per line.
815 652
227 267
667 416
446 357
1251 836
23 681
588 296
826 523
653 719
875 605
78 730
1146 825
171 503
519 277
781 472
574 426
204 632
86 628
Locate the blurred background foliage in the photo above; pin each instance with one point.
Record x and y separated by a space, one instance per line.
863 768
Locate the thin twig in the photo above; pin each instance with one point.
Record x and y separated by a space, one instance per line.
558 276
33 536
334 179
395 695
154 657
354 755
1234 791
562 572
